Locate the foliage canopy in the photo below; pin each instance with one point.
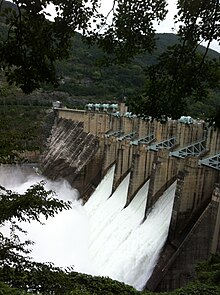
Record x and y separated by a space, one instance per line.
31 44
182 72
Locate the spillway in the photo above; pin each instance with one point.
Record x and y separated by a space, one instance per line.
126 248
117 222
140 251
103 237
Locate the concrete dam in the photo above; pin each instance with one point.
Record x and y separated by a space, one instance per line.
85 144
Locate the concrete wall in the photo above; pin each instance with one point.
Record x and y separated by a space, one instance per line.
164 172
94 123
141 167
97 123
194 190
145 128
176 266
74 155
110 153
70 114
123 162
213 141
187 134
143 163
195 221
165 131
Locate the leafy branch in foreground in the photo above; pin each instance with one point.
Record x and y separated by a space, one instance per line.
179 75
30 205
182 73
16 267
31 43
131 30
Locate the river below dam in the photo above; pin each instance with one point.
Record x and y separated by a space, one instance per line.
102 237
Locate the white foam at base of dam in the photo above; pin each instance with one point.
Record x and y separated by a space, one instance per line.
103 237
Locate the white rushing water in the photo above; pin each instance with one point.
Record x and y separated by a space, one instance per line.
103 237
63 239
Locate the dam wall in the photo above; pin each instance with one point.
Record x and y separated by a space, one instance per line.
147 149
99 123
72 154
176 266
84 145
213 141
163 173
197 186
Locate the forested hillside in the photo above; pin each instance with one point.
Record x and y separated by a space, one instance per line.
84 77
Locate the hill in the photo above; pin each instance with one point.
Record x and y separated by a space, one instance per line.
83 77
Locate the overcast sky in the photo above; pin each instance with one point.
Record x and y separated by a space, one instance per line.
165 27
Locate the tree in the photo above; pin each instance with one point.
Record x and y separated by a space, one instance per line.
16 268
31 43
183 72
180 76
131 29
